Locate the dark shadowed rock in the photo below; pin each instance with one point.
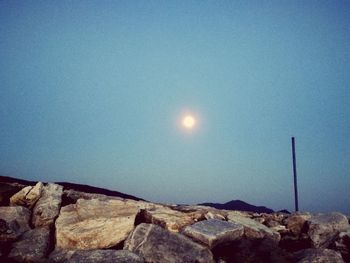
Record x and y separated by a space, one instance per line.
95 256
48 206
324 228
213 232
32 246
319 255
14 221
93 224
158 245
342 244
28 195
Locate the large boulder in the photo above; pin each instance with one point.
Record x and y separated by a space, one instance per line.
296 222
319 255
158 245
213 232
48 206
93 224
324 228
28 196
95 256
32 246
252 228
14 221
167 218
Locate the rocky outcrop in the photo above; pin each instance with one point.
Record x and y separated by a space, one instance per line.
28 196
213 232
48 206
93 256
318 255
14 221
161 246
95 224
32 246
91 227
324 228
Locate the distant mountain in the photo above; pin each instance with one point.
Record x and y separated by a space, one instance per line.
240 206
73 186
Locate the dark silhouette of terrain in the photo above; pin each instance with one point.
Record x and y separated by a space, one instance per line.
240 206
70 186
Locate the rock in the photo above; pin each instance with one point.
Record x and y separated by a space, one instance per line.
296 222
27 196
14 221
167 218
48 206
211 215
318 255
6 191
342 244
253 229
95 256
158 245
32 246
213 232
93 224
324 228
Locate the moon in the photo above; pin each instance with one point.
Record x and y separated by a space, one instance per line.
189 122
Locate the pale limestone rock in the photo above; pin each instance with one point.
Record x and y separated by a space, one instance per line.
14 221
213 232
95 256
32 246
167 218
28 196
254 229
319 255
93 224
342 244
323 228
48 206
158 245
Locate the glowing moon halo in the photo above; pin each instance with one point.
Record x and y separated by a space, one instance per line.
189 122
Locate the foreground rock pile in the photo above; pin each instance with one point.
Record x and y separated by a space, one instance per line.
36 226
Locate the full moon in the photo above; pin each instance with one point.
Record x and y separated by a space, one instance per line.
188 122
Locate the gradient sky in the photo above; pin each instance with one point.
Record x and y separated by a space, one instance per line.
91 92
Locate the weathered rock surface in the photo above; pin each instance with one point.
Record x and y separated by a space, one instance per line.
14 221
158 245
95 256
48 206
319 255
253 229
27 196
324 228
32 246
213 232
92 224
342 244
167 218
296 222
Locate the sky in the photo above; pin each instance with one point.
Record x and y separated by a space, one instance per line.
93 92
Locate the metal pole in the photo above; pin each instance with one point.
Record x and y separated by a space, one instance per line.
295 176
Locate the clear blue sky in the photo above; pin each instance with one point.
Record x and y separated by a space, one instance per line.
91 91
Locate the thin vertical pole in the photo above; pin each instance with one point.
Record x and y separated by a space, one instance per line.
295 175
